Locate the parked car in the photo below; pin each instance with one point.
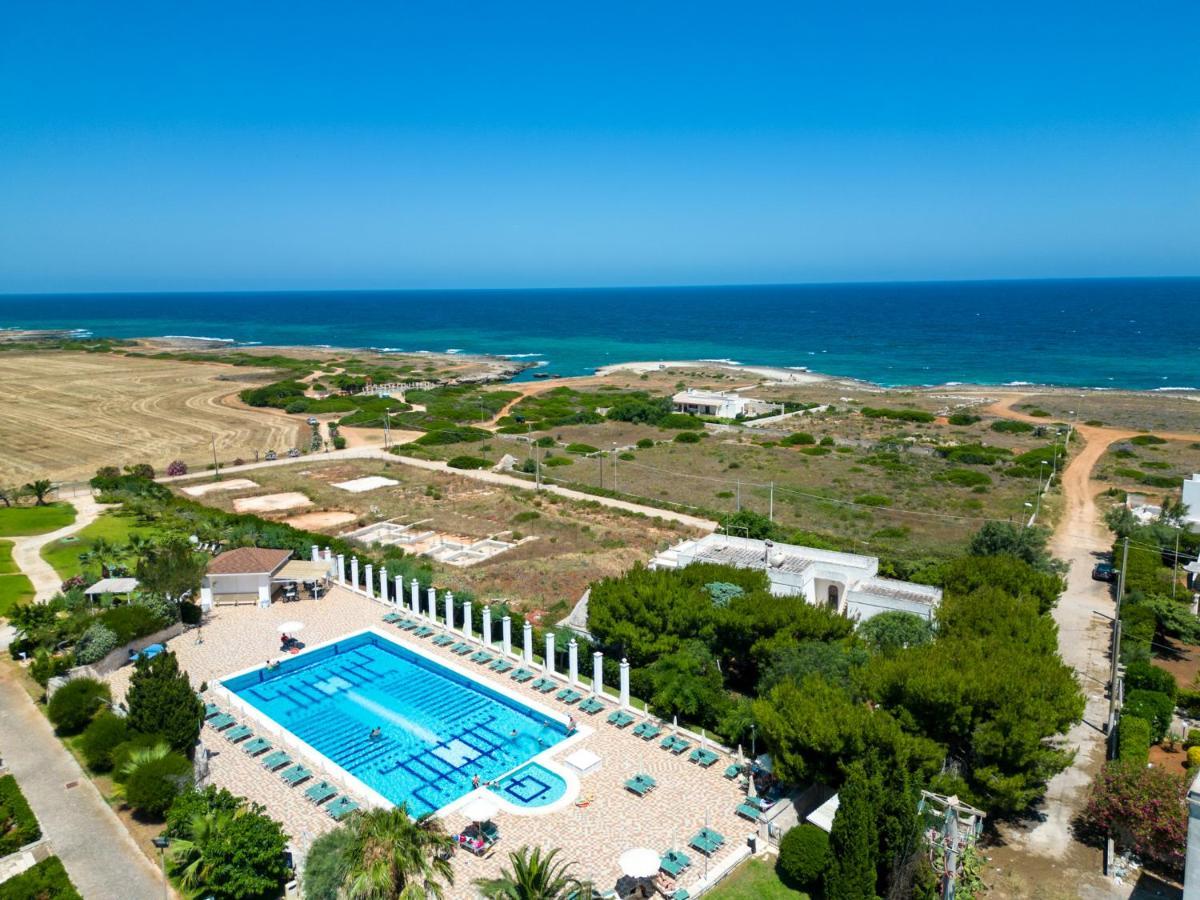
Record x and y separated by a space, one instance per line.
270 457
312 420
293 453
1104 572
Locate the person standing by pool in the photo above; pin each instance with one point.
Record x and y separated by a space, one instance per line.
475 780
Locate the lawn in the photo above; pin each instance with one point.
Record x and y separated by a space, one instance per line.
14 590
7 566
63 554
26 520
754 879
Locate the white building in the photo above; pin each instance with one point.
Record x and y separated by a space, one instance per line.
721 404
845 582
1191 499
243 575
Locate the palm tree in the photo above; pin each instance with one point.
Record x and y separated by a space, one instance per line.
39 489
393 856
187 855
102 553
144 755
535 877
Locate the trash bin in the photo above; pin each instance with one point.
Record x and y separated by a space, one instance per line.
752 842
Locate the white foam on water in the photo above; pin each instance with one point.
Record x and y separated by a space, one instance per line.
390 715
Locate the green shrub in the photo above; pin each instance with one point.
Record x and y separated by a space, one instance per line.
899 415
527 516
627 457
18 825
797 438
1189 702
803 855
1161 481
46 880
964 477
190 613
1145 440
1133 739
296 406
679 420
645 443
688 437
815 451
123 752
1153 706
1193 738
192 803
152 786
95 644
557 461
131 621
73 705
544 441
325 865
962 418
1142 675
162 701
1193 757
974 454
467 462
464 434
1008 426
339 443
105 733
45 665
873 500
582 448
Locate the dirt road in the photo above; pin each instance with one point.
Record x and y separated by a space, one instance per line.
27 551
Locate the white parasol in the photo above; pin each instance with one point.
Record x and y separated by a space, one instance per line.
640 862
481 809
290 627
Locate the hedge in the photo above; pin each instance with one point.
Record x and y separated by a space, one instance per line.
73 705
1142 675
20 824
1133 739
1153 706
153 786
47 879
803 855
106 732
467 462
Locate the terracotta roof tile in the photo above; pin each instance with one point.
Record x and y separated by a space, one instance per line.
248 561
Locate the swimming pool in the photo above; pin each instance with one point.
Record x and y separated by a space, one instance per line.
531 786
437 728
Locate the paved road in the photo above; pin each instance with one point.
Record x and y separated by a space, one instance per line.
99 854
476 474
27 551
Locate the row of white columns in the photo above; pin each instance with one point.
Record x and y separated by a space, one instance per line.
467 627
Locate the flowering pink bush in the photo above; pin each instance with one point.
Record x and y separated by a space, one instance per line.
1145 808
75 581
178 467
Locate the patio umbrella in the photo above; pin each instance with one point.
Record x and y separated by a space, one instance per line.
675 723
640 862
741 760
290 627
751 791
482 808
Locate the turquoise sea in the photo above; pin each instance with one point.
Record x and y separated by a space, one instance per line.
1110 333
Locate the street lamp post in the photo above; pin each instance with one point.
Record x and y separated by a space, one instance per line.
162 844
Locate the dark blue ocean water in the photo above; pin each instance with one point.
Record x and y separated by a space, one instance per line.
1121 333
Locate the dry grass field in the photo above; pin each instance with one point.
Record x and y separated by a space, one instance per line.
63 415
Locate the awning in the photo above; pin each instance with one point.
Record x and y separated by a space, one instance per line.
302 570
112 586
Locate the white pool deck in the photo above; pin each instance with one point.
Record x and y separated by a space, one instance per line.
597 821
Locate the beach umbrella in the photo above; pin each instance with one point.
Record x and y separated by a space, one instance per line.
640 862
741 760
704 737
290 627
751 791
482 808
675 723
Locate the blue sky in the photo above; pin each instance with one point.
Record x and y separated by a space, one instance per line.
155 146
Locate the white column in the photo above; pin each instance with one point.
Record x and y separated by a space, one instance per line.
528 644
354 572
264 595
449 604
341 569
468 624
383 584
573 661
316 553
328 555
431 598
399 589
416 595
624 683
205 598
549 663
487 626
368 576
506 635
597 672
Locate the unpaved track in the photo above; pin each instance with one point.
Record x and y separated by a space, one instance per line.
27 551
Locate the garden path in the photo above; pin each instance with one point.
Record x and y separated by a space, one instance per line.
27 551
98 853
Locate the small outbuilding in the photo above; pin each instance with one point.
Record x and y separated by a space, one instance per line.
119 586
243 575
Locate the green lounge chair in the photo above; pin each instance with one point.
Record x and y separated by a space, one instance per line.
294 775
641 785
340 808
679 858
409 624
276 760
240 733
443 640
620 719
748 811
501 666
671 866
681 894
650 732
568 696
392 618
423 632
591 706
480 657
703 757
544 685
681 746
521 676
733 771
257 746
320 792
670 742
221 722
460 649
210 710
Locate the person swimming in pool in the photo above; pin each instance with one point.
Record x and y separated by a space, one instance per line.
475 780
376 733
513 734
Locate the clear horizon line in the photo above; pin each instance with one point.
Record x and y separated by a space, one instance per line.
600 287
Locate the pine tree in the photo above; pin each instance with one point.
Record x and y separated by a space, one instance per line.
853 841
161 701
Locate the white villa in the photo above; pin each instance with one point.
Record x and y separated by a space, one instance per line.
722 404
846 582
1191 499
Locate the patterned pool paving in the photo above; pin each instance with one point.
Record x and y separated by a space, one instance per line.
406 726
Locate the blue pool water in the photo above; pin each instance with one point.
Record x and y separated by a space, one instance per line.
439 728
531 786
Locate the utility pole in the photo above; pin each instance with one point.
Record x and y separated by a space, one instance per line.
387 428
614 472
771 506
1116 648
1175 563
739 496
600 459
216 465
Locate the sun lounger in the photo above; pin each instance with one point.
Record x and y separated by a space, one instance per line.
650 732
674 743
461 649
673 865
703 758
443 640
341 808
320 792
733 771
240 733
748 811
681 894
210 710
257 746
501 666
276 760
707 841
544 685
294 775
423 632
480 657
568 696
392 618
221 722
641 784
591 706
679 858
521 676
408 624
620 718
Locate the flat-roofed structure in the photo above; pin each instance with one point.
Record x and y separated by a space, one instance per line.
847 582
721 404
